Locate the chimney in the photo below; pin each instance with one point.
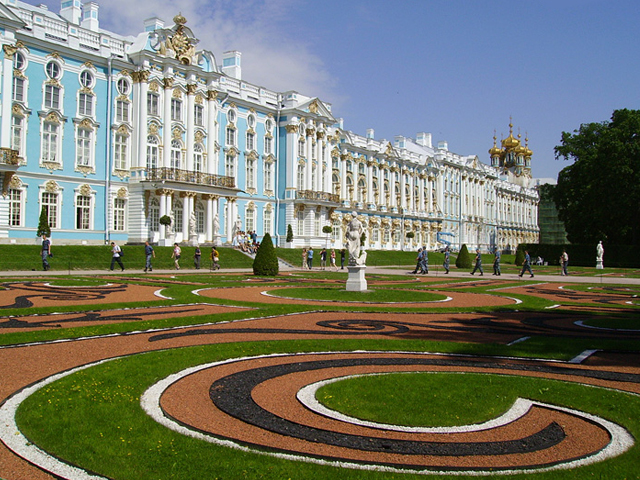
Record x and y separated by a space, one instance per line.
71 10
371 134
153 23
231 64
443 145
424 139
90 16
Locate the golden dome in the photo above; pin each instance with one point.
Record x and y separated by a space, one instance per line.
495 151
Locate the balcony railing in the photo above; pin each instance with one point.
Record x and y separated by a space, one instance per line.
9 157
321 196
188 176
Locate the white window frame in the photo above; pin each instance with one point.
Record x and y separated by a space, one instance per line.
230 137
268 176
251 141
19 89
176 110
198 115
83 212
85 104
176 154
84 147
51 143
153 102
18 127
122 110
121 151
16 206
198 158
230 165
153 151
51 98
120 214
250 218
250 173
51 201
154 215
267 221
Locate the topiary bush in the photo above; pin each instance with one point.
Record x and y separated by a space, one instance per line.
289 233
463 260
266 262
43 224
519 256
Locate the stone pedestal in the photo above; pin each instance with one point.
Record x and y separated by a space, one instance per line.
167 242
193 240
356 282
599 265
216 240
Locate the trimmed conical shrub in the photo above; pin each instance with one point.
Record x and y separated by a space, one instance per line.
463 260
43 224
519 257
266 262
289 233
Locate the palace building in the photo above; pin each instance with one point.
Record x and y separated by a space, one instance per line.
112 135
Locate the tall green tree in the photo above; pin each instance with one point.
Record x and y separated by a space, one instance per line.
598 196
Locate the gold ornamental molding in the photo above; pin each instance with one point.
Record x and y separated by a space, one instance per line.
141 76
291 128
85 170
154 87
212 94
191 88
167 82
9 50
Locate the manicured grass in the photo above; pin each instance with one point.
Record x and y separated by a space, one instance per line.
93 418
339 294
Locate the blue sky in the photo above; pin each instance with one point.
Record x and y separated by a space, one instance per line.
456 69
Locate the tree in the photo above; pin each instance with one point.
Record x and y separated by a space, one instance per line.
598 196
463 260
289 233
43 224
266 262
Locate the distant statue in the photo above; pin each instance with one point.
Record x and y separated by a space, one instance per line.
237 226
192 224
599 255
216 224
169 229
354 233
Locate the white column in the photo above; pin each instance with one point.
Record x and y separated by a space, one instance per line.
141 121
370 195
7 95
212 133
191 92
166 130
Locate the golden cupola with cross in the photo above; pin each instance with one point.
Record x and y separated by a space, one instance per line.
512 158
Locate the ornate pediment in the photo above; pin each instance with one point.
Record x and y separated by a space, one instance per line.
177 42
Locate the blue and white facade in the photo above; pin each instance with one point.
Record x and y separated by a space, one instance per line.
108 134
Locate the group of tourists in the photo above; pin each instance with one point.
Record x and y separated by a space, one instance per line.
308 254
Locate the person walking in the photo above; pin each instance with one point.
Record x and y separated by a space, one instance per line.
424 261
116 256
149 253
310 258
564 262
342 256
526 265
323 259
447 254
333 260
215 258
418 261
496 261
176 255
45 253
196 257
478 265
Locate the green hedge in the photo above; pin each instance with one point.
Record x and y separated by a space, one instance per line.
618 256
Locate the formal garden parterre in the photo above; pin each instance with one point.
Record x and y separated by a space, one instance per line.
236 376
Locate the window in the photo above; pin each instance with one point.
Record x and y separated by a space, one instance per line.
251 141
85 104
120 152
123 87
314 170
177 213
230 136
50 142
152 152
251 176
18 89
152 104
251 121
119 210
268 176
17 132
301 223
301 177
122 110
86 79
15 207
200 218
267 221
361 190
229 166
336 231
53 70
250 219
83 148
268 145
51 97
335 184
375 235
19 62
50 205
231 116
198 114
198 158
386 236
176 110
83 212
301 148
176 153
154 215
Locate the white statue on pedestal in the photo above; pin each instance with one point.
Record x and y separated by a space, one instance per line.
216 224
599 255
192 224
354 233
169 228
